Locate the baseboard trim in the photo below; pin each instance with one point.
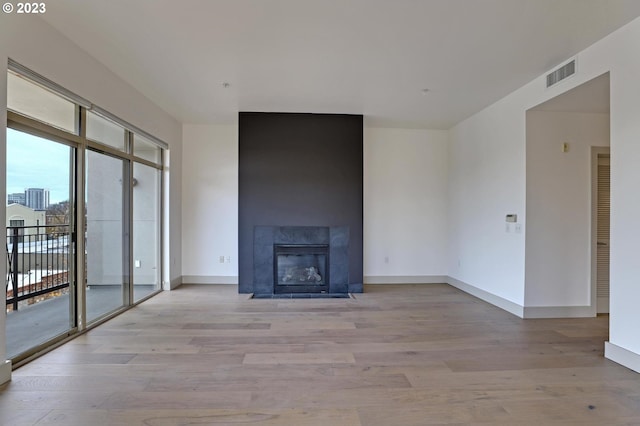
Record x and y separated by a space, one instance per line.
558 312
210 279
5 372
622 356
175 283
497 301
405 279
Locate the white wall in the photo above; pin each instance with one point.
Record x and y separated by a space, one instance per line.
210 203
33 43
487 180
558 234
172 218
621 50
405 205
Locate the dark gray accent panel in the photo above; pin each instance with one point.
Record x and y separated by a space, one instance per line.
339 255
300 170
263 260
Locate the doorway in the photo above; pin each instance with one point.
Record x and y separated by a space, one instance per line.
565 135
601 203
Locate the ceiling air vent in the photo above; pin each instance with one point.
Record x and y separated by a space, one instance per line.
561 73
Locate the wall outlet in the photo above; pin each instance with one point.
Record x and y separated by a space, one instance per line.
518 228
137 263
507 228
221 259
386 259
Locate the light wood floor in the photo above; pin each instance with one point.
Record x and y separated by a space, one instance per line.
397 355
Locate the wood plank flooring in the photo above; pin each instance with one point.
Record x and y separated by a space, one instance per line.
396 355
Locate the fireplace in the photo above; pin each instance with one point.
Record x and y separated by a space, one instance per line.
301 260
300 182
301 268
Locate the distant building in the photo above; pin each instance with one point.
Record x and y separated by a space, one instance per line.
26 219
16 198
37 198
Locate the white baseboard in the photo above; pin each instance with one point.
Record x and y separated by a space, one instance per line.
498 301
175 283
210 279
405 279
5 372
559 312
622 356
528 312
507 305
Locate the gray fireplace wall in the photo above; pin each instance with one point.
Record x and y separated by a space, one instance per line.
300 170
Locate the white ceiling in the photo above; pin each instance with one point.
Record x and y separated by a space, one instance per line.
370 57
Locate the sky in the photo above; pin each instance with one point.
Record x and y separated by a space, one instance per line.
34 162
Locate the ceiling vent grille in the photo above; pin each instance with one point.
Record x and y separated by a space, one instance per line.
561 73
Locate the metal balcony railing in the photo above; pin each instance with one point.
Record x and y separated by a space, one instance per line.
37 263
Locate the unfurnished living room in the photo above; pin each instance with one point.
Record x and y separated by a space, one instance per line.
320 212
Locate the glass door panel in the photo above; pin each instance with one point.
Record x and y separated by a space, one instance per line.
39 256
146 231
106 239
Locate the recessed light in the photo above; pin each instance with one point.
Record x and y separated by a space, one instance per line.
424 91
226 85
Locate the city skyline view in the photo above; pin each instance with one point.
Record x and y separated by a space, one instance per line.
34 162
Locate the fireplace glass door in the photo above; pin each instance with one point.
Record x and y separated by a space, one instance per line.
301 268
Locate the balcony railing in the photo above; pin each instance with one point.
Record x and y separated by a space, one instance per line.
37 263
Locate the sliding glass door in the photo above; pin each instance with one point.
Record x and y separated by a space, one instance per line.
107 260
39 282
146 231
